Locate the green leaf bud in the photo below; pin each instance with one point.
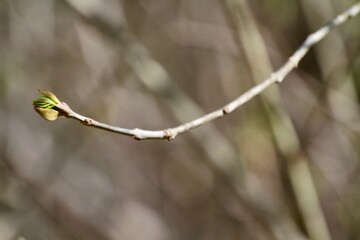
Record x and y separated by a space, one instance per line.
45 105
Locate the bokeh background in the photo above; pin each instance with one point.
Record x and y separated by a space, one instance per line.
283 166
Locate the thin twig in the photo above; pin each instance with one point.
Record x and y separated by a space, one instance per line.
276 77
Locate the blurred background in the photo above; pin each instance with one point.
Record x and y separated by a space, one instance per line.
283 166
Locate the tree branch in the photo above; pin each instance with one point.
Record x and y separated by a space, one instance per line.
276 77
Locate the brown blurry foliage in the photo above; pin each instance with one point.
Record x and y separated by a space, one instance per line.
284 166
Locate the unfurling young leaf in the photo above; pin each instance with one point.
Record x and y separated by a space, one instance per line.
45 105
